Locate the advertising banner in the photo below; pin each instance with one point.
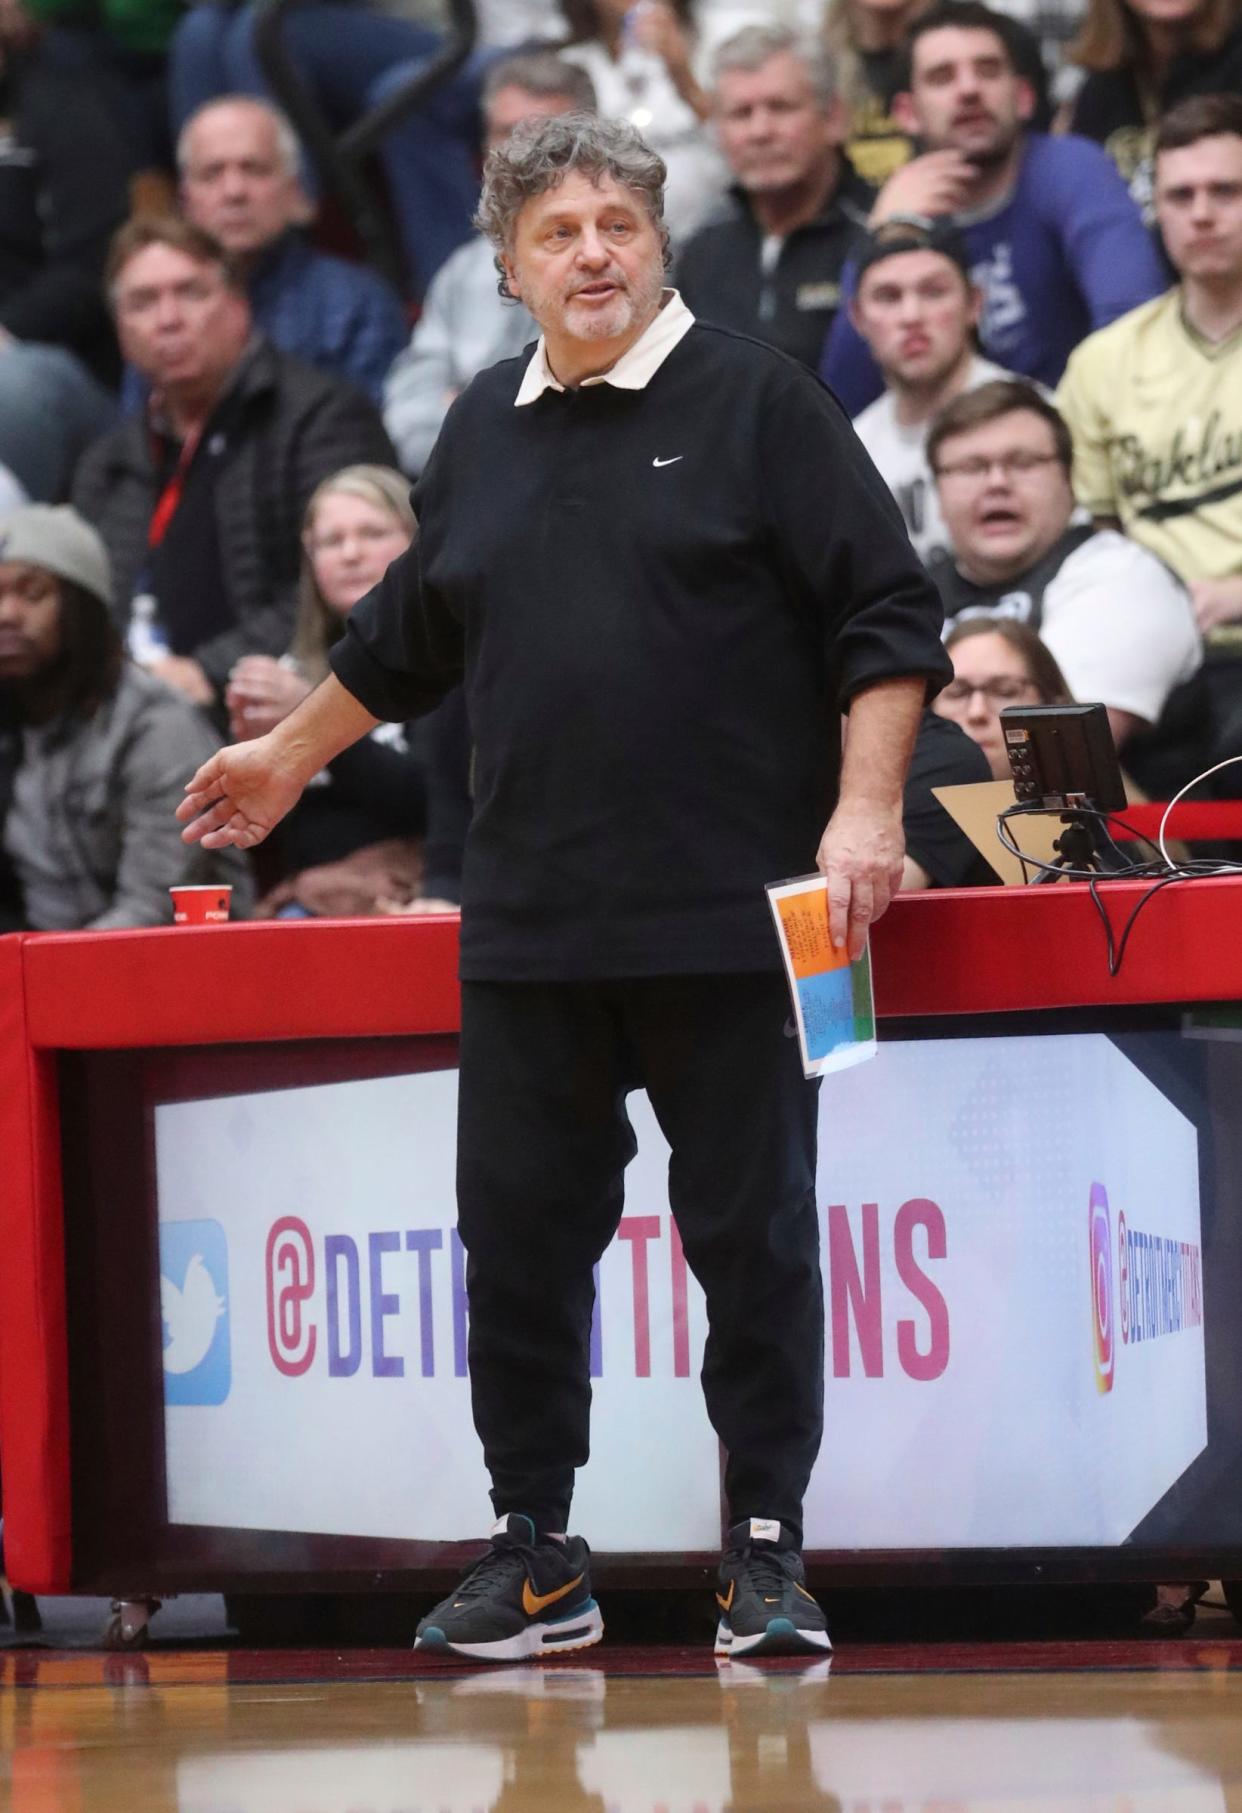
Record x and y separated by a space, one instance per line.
1013 1292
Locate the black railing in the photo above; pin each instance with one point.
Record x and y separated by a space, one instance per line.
343 161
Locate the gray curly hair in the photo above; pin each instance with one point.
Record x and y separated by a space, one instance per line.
542 152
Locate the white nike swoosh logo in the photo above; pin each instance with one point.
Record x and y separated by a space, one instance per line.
672 462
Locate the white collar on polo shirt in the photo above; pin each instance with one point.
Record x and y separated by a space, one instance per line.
635 368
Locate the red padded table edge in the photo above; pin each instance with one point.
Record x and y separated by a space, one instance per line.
1002 950
948 951
214 985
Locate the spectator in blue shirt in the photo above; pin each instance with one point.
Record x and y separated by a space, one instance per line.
239 162
1054 240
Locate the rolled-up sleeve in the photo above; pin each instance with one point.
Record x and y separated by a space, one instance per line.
841 539
403 649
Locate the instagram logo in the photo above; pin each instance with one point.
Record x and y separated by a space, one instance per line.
1102 1287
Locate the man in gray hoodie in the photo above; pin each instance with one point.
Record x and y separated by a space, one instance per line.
93 750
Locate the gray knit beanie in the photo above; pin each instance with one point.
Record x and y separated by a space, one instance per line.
56 538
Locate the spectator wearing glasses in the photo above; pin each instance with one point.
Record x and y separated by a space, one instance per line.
997 662
1118 622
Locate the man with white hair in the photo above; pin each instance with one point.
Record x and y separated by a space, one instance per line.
238 159
660 616
773 268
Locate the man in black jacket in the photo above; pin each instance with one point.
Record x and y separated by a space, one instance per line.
665 567
200 501
773 269
64 175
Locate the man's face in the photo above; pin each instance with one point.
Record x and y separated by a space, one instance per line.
586 260
964 95
30 630
916 311
773 130
177 320
1199 206
235 184
1004 494
510 106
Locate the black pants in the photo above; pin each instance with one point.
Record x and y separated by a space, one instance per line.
543 1141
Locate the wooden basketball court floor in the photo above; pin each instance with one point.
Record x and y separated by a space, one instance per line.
199 1726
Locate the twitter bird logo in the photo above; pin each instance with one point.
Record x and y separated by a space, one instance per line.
194 1306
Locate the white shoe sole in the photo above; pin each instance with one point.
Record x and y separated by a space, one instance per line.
781 1638
553 1639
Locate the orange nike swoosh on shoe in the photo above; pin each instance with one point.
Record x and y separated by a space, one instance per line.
726 1604
534 1603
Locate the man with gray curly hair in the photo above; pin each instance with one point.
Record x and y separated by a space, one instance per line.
664 567
587 153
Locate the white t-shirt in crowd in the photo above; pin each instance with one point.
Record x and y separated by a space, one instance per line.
1119 623
900 456
505 23
637 87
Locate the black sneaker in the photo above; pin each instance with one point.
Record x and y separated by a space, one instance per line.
523 1598
765 1608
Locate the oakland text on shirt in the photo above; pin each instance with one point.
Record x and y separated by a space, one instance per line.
1200 463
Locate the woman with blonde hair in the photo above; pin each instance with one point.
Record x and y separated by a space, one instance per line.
355 837
1142 57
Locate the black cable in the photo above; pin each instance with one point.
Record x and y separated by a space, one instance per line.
1162 873
1130 871
1116 952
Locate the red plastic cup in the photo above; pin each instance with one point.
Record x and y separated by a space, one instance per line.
201 905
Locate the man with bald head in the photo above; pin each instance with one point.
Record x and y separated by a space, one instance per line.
239 164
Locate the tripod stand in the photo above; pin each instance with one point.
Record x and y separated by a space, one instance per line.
1078 847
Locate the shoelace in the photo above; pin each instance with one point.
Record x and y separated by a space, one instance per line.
769 1569
505 1560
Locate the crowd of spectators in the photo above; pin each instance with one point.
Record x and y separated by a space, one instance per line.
1009 239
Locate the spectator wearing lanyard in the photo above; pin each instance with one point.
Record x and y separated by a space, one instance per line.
200 501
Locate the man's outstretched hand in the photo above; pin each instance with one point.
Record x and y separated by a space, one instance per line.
238 796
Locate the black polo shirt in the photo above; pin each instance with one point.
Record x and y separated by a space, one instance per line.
661 599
